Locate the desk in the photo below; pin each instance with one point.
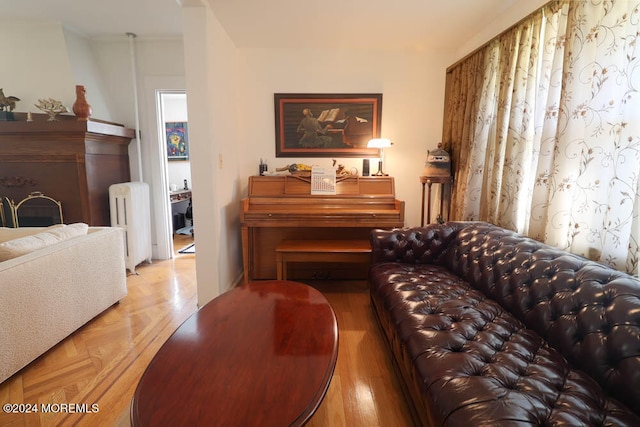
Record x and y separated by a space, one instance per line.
179 196
179 203
261 354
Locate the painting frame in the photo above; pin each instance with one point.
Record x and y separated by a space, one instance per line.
177 140
327 125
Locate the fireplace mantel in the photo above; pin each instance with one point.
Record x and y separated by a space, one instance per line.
72 161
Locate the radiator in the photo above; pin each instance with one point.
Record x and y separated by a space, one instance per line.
130 210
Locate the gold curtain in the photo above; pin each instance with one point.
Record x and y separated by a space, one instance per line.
463 98
542 124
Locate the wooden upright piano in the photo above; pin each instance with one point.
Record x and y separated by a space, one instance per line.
282 208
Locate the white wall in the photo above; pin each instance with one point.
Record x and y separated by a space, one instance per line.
47 61
86 73
230 98
159 66
231 113
211 66
154 58
35 64
412 84
500 23
175 110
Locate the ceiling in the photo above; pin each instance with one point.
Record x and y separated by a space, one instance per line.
380 24
385 24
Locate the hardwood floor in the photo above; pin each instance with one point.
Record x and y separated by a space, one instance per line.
102 362
363 391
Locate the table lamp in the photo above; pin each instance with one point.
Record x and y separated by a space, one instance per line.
381 144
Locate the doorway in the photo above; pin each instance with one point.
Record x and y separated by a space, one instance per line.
173 124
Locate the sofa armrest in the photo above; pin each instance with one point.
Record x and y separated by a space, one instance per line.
414 245
49 293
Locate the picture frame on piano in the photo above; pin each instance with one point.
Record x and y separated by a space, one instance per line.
327 125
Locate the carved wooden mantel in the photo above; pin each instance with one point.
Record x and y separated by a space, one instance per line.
17 181
72 161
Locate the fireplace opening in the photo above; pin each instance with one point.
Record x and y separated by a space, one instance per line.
38 210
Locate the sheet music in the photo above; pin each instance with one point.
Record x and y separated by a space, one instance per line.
323 181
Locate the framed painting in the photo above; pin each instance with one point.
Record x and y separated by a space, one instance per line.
327 125
177 140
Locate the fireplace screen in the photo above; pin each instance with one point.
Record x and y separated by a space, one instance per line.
38 210
7 213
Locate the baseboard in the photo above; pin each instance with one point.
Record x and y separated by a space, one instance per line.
239 279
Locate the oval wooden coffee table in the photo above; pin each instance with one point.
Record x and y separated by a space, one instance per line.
262 354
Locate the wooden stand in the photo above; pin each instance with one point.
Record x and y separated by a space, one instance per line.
429 181
6 116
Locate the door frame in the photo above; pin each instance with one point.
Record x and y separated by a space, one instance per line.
155 169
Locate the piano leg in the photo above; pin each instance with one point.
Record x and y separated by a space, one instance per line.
245 254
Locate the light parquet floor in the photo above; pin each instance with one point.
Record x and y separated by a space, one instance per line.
102 362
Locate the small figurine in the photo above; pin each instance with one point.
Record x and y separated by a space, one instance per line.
295 167
342 171
81 107
52 107
7 103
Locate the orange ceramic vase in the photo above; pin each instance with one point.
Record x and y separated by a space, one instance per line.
81 107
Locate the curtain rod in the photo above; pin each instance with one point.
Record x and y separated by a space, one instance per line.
476 50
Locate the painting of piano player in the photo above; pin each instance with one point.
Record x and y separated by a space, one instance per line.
177 141
326 125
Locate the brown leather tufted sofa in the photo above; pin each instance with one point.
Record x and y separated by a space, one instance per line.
490 328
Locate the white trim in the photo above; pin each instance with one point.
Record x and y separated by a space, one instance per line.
156 164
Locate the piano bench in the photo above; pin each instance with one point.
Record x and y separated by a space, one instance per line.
355 251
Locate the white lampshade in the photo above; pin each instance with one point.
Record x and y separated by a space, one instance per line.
379 143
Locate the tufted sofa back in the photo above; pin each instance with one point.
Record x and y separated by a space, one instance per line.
589 312
419 245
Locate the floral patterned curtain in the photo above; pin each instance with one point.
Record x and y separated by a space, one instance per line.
544 128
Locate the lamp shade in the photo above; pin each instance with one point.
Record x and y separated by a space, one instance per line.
379 143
